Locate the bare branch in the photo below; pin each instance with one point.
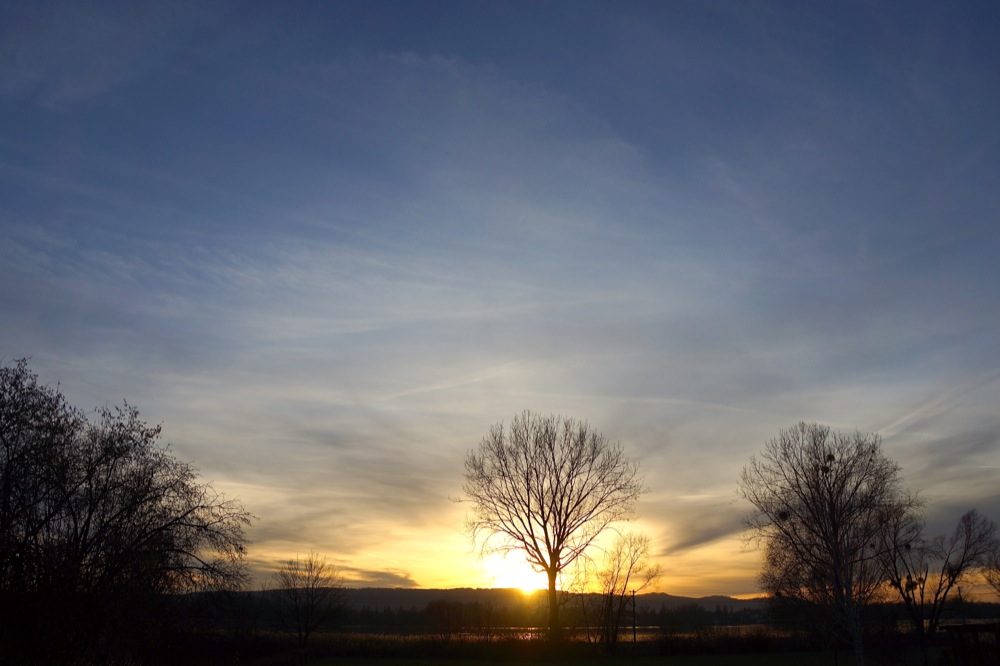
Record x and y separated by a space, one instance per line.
548 486
821 502
309 591
95 511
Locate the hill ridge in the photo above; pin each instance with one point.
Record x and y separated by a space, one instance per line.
411 597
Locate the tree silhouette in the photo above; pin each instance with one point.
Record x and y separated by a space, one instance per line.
547 486
821 503
925 571
96 520
618 574
991 569
626 571
309 590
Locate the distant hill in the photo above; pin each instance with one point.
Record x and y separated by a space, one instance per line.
418 598
376 598
656 599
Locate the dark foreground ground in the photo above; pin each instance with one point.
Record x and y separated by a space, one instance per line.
370 651
764 659
935 656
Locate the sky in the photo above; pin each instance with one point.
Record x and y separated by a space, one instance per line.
329 244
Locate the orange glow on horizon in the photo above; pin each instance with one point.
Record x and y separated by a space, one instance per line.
440 556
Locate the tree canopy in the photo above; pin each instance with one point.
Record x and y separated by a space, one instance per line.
96 518
821 502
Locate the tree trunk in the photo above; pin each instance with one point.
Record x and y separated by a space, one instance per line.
857 641
554 629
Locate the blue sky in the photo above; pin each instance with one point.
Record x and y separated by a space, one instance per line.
327 245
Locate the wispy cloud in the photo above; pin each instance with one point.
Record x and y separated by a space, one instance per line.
328 257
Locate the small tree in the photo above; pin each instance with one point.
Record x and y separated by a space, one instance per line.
924 572
626 571
821 502
309 591
548 486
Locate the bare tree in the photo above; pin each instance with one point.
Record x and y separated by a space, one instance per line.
626 571
991 568
309 591
924 572
548 486
96 516
821 500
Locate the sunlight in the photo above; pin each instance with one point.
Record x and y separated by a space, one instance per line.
512 572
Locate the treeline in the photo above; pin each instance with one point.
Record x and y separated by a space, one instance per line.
249 625
516 614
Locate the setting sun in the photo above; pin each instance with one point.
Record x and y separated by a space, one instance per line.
514 572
